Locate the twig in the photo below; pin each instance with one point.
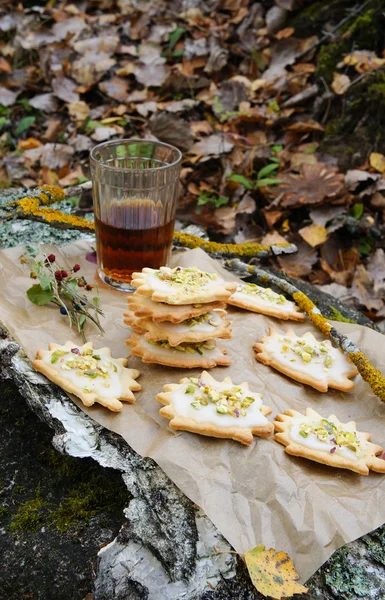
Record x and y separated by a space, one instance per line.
333 30
368 372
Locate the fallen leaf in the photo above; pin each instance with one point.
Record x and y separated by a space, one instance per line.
55 156
72 178
314 235
363 289
376 268
81 143
172 130
103 44
5 67
7 98
45 102
377 161
28 143
79 110
340 84
90 68
313 185
154 74
218 57
301 263
284 33
364 61
102 133
272 573
64 89
306 126
116 88
273 237
214 145
354 177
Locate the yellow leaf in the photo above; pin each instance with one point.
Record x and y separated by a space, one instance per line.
341 83
272 573
314 235
377 161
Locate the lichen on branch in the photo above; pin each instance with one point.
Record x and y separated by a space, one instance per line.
369 372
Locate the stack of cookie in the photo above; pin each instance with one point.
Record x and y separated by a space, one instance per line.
176 315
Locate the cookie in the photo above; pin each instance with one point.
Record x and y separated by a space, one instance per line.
182 285
215 408
92 375
266 302
328 441
186 356
143 306
198 329
306 360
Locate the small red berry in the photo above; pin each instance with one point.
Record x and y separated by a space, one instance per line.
58 275
51 258
76 268
64 274
89 287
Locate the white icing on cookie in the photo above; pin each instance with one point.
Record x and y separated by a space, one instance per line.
191 279
280 348
312 441
204 327
106 385
182 404
262 298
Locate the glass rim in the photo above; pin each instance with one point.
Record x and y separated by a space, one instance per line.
136 140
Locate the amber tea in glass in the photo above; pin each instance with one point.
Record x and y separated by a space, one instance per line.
135 188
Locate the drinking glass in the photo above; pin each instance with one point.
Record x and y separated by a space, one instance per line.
135 188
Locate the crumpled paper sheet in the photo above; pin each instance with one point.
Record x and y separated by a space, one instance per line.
256 494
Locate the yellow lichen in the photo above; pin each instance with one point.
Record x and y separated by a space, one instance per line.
192 241
51 194
29 207
307 306
369 373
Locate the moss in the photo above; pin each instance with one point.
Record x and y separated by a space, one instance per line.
3 512
30 514
85 501
338 316
18 489
369 373
192 241
328 58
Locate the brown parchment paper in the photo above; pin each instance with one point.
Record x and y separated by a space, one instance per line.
256 494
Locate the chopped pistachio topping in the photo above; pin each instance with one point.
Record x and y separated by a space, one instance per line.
188 277
190 348
317 353
267 294
200 320
330 433
232 401
85 364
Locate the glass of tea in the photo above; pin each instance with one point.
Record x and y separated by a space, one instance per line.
135 188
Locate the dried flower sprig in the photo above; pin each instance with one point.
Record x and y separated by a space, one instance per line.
63 288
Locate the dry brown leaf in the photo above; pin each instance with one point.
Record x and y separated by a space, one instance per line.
272 216
363 289
214 145
284 33
28 143
116 88
273 237
301 263
172 130
272 573
65 89
5 67
305 126
45 102
313 185
79 110
363 61
377 161
7 98
314 235
340 84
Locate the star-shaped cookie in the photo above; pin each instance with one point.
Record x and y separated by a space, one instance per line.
214 408
182 285
265 301
307 360
143 306
328 441
186 356
195 330
92 375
